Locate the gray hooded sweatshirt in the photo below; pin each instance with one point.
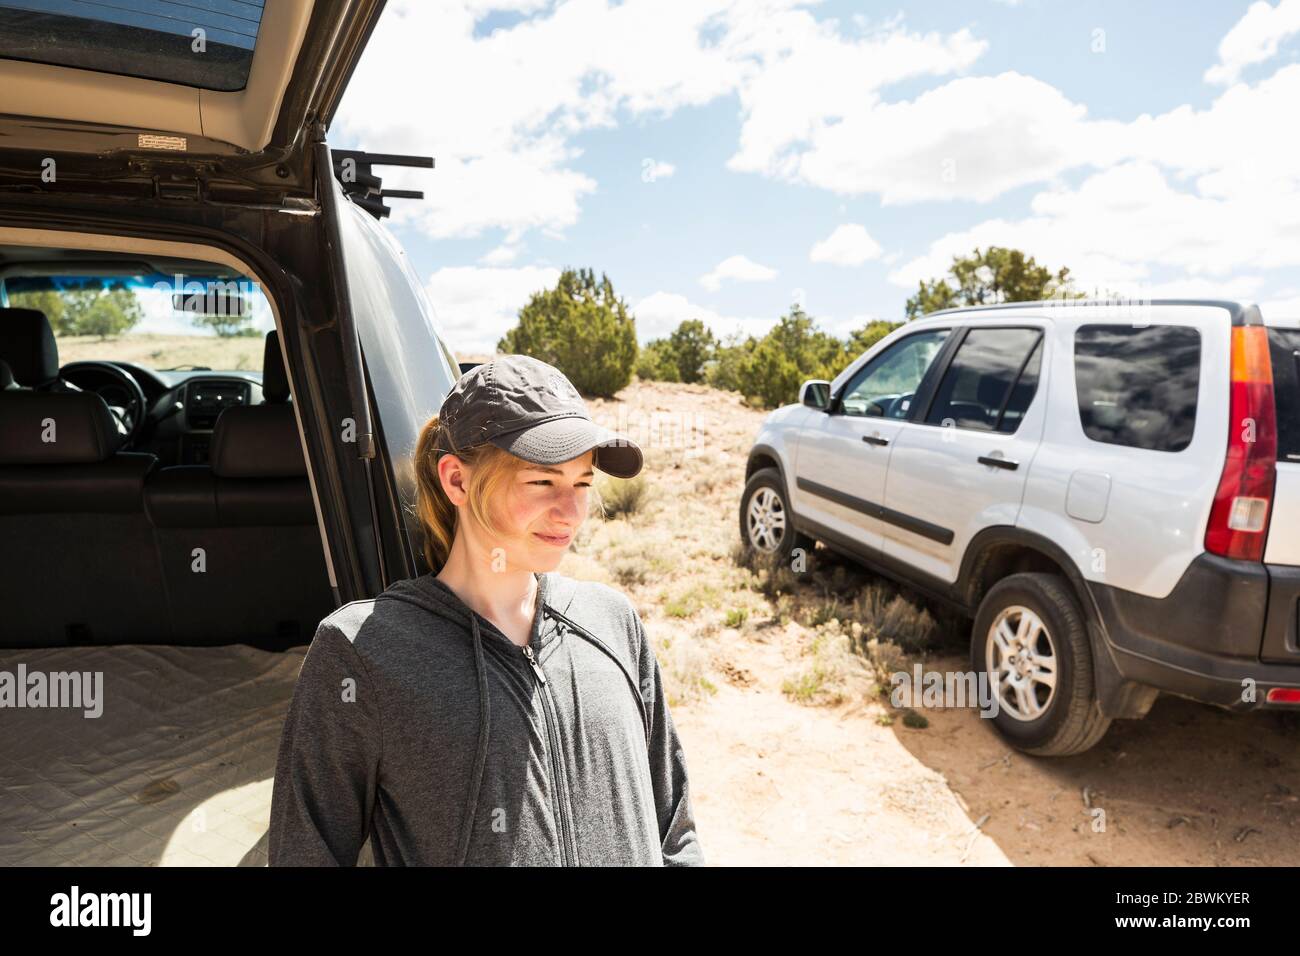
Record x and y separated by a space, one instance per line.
417 723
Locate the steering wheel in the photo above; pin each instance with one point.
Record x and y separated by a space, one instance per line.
123 396
898 408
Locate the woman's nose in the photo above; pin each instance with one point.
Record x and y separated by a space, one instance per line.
568 507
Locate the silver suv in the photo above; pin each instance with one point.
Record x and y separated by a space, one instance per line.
1111 491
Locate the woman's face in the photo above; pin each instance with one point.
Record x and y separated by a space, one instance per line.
540 514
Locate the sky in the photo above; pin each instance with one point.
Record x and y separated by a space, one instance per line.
723 159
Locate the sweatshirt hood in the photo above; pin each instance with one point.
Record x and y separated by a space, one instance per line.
427 592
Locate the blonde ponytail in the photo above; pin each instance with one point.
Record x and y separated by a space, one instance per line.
490 466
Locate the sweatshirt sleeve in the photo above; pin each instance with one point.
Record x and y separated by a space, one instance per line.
680 843
327 770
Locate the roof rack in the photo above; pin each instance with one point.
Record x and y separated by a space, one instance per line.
353 170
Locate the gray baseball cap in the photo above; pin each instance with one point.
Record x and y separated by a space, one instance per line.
531 409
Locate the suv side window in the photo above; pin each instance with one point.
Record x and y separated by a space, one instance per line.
1137 385
990 382
884 387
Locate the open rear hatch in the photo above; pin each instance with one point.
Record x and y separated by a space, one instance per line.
218 101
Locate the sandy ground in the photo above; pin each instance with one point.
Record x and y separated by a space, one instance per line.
779 783
776 781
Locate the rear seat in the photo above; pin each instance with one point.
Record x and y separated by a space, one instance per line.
98 546
78 563
250 512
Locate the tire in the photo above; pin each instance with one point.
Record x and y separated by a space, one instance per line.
1048 721
765 493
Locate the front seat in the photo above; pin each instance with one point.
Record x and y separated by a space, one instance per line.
241 549
28 347
78 564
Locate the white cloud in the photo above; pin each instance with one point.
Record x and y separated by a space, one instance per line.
1254 38
657 315
653 169
475 306
498 112
1285 304
737 269
971 138
1120 223
502 255
803 78
849 245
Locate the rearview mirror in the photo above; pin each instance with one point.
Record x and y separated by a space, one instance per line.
815 393
214 300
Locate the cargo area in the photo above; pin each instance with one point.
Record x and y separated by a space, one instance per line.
176 770
163 564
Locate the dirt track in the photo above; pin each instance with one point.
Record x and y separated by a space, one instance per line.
780 783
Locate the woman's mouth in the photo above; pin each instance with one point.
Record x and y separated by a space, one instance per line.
558 540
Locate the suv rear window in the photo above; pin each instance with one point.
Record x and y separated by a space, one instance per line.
1284 344
151 39
1137 385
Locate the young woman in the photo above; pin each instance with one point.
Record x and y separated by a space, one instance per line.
493 713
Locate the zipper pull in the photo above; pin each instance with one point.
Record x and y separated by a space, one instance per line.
528 652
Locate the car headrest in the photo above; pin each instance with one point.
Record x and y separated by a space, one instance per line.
27 344
275 380
257 441
56 428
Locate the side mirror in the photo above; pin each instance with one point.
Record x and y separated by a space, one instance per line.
815 393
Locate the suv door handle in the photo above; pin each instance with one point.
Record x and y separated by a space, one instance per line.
1006 463
875 440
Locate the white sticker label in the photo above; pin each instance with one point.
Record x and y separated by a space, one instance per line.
153 141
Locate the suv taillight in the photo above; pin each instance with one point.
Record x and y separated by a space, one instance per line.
1239 519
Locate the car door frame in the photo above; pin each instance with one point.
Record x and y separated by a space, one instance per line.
865 539
917 523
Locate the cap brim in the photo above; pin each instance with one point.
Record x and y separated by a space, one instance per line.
563 439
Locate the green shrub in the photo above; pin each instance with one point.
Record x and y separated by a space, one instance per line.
656 363
583 329
691 346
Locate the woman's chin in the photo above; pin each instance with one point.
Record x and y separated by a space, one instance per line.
544 556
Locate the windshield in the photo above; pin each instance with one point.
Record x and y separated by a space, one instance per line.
163 322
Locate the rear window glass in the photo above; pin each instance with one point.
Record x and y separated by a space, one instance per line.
1137 385
1285 348
990 382
204 43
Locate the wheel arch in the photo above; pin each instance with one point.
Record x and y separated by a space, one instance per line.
763 455
996 553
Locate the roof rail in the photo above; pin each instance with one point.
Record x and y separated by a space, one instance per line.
353 170
1241 314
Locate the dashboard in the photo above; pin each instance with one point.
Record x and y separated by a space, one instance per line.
182 404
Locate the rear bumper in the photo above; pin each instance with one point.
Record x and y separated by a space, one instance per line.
1225 625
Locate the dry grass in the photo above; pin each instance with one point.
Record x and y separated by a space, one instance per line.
620 497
